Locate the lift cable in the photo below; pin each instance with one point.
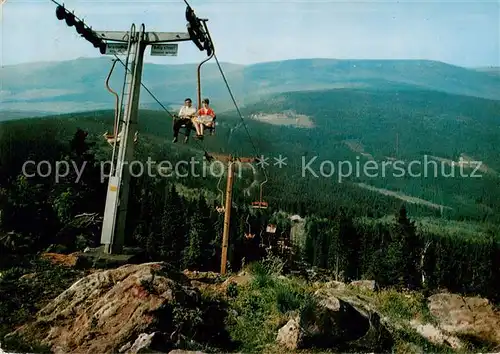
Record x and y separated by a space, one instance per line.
234 102
262 163
241 117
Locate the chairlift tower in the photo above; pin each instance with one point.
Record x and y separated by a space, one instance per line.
133 44
231 161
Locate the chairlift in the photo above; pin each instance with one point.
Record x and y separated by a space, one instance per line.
260 204
211 53
271 229
210 128
261 244
220 209
115 137
110 138
249 235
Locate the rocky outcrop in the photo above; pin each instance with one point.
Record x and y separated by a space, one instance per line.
473 318
335 320
106 310
336 285
291 335
369 285
143 344
436 335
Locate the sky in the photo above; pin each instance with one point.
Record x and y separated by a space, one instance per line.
463 33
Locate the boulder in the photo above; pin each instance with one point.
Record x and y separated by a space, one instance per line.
369 285
435 335
336 320
332 320
107 309
472 317
291 335
145 343
337 285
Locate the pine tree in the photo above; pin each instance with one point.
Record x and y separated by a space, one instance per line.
85 187
351 246
403 252
206 228
215 243
78 144
335 259
194 251
147 233
173 230
310 244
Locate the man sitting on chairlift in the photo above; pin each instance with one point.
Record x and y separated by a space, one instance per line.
205 118
186 114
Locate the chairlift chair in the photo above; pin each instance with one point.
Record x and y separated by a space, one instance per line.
115 137
260 204
261 243
271 228
110 138
249 235
220 209
210 128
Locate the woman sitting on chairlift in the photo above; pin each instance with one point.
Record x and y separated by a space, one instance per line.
205 118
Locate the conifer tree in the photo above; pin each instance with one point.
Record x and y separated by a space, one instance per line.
194 251
403 252
335 259
173 229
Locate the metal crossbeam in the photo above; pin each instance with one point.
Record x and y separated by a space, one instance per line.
230 158
149 37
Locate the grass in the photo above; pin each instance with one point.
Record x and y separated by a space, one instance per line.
404 306
258 312
478 345
264 305
408 341
261 307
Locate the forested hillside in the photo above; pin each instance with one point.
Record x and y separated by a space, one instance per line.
186 229
349 126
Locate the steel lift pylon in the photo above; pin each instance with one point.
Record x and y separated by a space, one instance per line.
115 212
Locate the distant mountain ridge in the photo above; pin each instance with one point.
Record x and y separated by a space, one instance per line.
490 70
78 85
